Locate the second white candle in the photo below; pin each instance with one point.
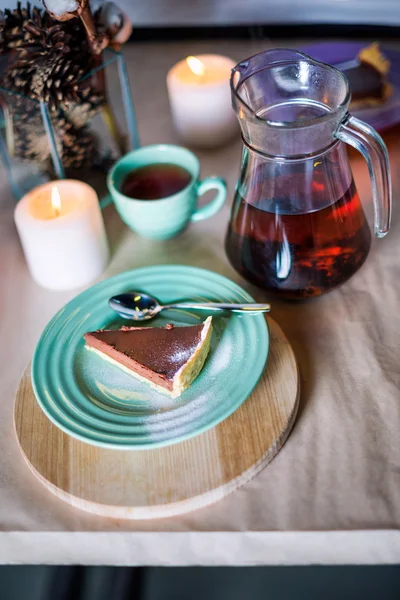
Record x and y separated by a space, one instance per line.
200 100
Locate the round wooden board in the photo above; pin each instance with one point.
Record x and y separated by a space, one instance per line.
165 481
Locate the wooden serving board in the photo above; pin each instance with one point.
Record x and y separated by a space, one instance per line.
165 481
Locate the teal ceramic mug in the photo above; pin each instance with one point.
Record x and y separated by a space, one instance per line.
165 217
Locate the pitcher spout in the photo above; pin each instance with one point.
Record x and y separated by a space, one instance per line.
287 103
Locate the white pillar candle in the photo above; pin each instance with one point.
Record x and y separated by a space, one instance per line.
200 100
62 234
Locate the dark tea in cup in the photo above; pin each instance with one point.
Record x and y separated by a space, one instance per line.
155 181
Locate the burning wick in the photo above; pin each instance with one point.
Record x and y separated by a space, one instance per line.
56 201
196 66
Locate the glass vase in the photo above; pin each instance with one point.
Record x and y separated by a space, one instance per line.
39 142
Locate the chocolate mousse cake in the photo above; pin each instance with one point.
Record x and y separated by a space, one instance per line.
168 358
368 77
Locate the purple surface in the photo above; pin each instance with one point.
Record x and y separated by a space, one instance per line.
384 116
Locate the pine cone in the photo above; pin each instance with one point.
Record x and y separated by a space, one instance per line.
47 68
76 146
50 61
12 22
15 27
29 139
79 147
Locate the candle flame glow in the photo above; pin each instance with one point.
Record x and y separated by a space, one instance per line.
195 65
56 201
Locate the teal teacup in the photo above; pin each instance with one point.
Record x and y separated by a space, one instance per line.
164 218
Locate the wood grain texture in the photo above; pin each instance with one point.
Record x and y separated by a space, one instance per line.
166 481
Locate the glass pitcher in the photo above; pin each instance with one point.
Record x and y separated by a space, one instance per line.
297 227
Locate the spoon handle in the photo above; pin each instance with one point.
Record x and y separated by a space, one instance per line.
220 306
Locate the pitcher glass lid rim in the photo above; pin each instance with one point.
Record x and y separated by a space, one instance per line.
293 56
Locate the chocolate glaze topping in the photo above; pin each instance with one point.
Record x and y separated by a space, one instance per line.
365 82
368 79
164 350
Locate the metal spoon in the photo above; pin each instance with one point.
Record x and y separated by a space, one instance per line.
141 307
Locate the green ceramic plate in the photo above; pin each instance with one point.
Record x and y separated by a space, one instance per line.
98 403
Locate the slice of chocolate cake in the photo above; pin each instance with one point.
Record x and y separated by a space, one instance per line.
368 77
168 358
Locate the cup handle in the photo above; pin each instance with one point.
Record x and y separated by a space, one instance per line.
210 183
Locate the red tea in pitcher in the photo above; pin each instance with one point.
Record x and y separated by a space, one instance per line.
297 227
298 255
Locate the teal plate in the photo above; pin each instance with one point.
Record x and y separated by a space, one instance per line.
100 404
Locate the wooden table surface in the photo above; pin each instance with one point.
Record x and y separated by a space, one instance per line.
332 495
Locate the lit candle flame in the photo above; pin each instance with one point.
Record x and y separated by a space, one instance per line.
55 201
196 66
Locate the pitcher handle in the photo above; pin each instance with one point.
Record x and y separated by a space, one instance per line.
366 140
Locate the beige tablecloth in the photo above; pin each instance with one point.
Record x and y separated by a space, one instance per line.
332 495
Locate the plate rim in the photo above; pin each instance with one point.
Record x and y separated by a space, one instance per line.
264 340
